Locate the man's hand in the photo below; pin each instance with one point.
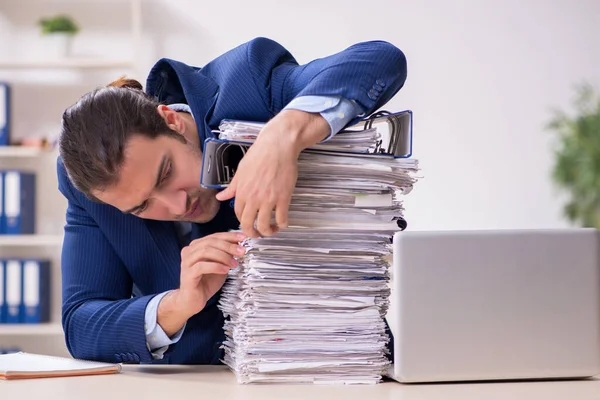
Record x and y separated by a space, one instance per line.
266 176
204 267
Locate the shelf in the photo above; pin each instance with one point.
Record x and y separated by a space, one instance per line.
31 329
22 151
76 63
31 240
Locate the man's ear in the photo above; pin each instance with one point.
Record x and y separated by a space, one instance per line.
172 118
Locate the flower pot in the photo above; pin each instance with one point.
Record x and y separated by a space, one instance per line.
57 45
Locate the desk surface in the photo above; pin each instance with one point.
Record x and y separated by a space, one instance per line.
189 382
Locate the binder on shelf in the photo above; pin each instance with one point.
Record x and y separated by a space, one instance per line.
9 350
391 136
5 123
14 291
2 292
2 216
19 203
36 291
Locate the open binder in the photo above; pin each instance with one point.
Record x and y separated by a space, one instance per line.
391 138
397 128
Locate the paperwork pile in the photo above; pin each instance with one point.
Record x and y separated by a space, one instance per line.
308 304
356 141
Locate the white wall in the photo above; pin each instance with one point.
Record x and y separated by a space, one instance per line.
482 79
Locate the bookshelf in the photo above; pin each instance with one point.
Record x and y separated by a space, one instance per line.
74 63
31 240
50 328
46 243
20 152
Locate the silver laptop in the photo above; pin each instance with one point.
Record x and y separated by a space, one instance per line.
495 305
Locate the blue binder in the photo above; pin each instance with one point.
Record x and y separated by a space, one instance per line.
5 98
35 305
9 350
2 216
14 290
2 292
19 203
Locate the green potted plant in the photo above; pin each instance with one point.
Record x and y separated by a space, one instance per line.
576 169
58 31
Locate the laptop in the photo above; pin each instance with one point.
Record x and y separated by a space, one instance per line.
495 305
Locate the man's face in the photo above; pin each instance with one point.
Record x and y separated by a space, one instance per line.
160 179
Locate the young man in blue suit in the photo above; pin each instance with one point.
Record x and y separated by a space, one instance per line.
146 248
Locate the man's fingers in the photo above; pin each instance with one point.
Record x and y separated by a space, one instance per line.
240 204
209 254
247 220
263 222
228 192
281 212
205 268
231 237
232 248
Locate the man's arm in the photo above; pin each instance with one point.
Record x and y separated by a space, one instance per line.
366 74
335 110
101 320
160 337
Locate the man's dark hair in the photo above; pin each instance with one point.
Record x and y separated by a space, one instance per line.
96 129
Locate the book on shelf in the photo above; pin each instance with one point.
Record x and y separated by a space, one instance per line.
5 109
24 291
17 202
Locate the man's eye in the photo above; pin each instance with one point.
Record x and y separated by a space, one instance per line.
167 173
142 208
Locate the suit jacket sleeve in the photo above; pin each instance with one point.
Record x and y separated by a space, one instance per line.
370 73
100 318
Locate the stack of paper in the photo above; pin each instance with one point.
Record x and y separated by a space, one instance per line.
356 141
307 305
347 192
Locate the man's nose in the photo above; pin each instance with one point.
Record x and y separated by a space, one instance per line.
175 201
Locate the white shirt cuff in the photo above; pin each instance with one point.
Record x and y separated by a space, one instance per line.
336 110
156 339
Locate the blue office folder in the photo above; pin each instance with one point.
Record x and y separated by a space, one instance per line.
19 203
9 350
2 216
35 305
2 292
14 290
5 99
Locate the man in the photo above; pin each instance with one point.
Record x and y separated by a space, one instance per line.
146 248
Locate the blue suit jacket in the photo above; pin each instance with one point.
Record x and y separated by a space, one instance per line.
113 263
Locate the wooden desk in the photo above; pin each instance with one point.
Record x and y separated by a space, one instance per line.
218 383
